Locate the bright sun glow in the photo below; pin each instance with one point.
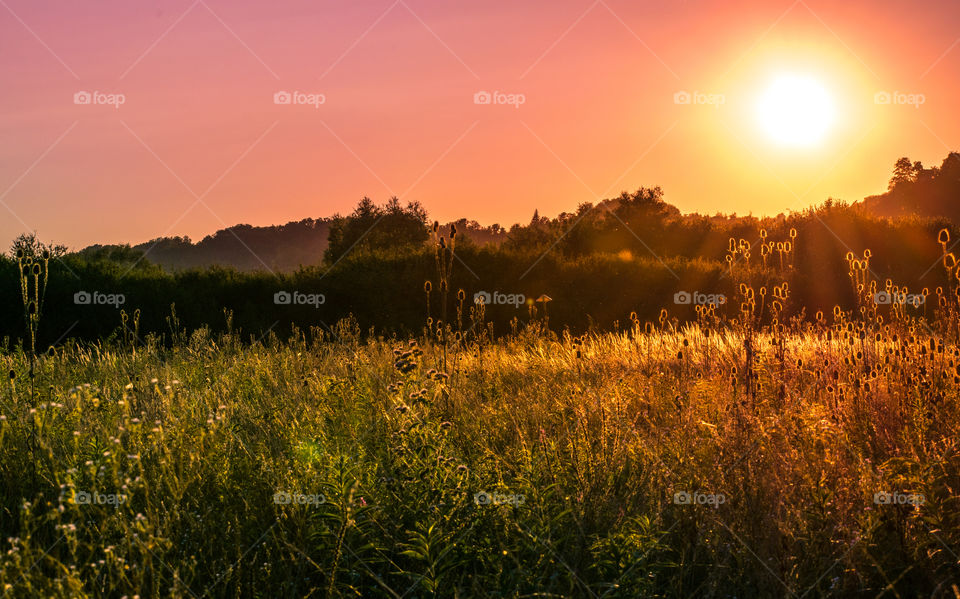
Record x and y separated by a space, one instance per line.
795 110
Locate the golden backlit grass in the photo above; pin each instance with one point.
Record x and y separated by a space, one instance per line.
584 442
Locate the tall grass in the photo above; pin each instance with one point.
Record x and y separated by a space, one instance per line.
752 456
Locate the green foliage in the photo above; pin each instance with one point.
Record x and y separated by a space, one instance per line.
371 227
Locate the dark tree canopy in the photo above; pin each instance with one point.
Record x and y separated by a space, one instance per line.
370 227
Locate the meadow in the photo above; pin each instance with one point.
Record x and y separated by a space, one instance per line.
749 451
650 462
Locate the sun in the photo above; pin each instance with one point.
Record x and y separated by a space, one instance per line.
795 110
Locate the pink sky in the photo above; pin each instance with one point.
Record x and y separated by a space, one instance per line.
199 144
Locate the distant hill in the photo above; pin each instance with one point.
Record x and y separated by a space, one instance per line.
280 248
913 191
244 247
918 191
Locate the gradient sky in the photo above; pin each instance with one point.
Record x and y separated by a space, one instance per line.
199 143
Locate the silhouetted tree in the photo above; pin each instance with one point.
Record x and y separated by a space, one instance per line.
371 227
904 171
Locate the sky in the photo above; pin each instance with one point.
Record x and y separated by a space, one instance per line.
121 121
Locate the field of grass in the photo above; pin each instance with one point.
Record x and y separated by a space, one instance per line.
653 462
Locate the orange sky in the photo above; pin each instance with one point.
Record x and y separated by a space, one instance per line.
198 142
